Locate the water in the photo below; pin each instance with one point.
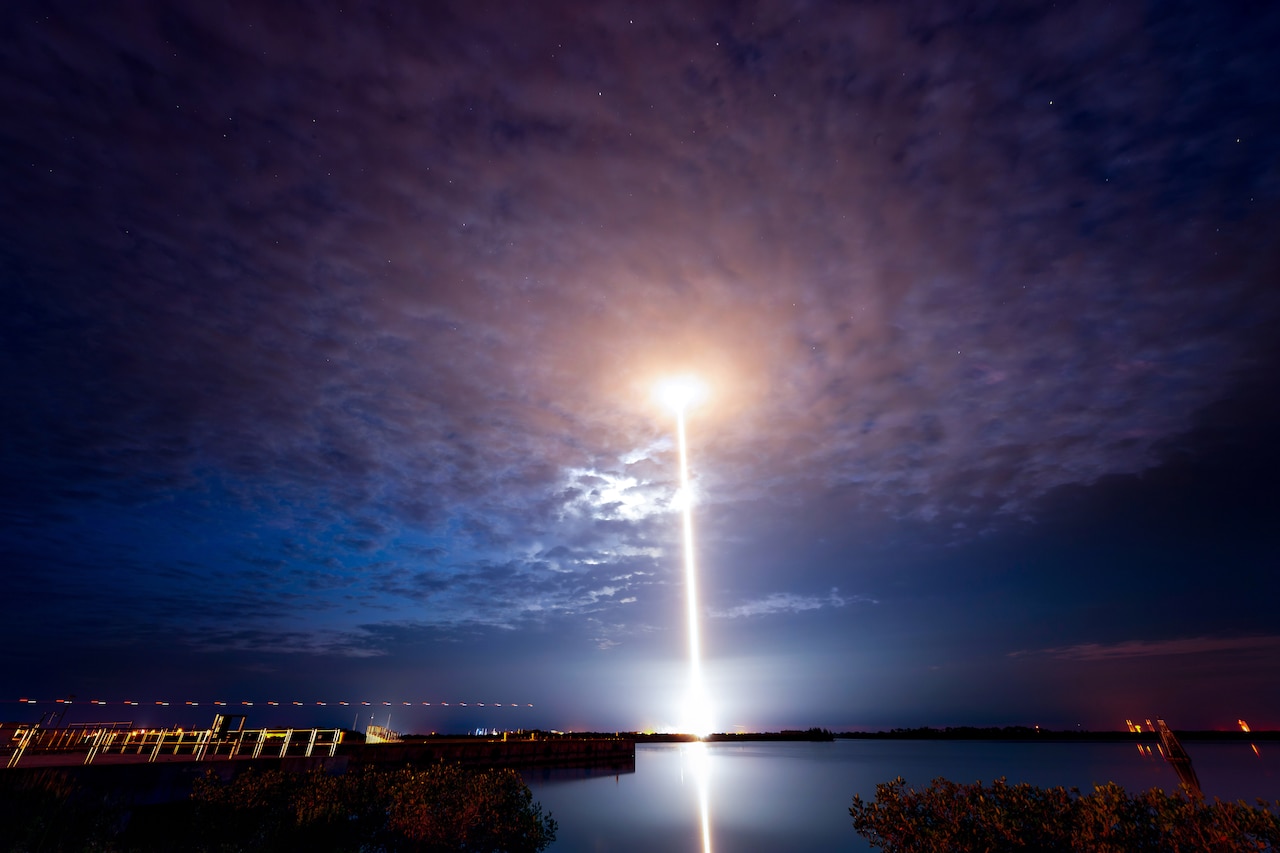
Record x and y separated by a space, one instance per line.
796 796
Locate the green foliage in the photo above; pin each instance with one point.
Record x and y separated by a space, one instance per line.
440 808
1002 817
448 808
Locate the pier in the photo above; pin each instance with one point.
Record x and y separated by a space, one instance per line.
162 765
120 743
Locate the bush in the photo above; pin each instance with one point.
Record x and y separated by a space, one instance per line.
1003 817
46 810
441 808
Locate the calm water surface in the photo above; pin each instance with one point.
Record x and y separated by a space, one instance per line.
796 796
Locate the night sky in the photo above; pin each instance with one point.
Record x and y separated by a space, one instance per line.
327 340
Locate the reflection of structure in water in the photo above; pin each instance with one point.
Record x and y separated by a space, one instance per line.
616 767
1177 756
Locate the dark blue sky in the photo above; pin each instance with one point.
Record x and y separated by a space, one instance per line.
327 340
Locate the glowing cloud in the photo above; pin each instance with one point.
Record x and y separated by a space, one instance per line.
679 392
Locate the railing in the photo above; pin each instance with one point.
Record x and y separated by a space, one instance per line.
154 743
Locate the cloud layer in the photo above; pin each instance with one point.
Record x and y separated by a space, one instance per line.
318 323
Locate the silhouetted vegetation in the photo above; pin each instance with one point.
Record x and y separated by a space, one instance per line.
1003 817
440 808
987 733
1031 733
443 807
45 810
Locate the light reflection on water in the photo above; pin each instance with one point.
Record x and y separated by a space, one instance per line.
758 797
699 762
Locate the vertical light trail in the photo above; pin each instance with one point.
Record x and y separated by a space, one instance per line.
678 393
699 720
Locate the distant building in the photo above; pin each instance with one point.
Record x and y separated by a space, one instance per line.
381 734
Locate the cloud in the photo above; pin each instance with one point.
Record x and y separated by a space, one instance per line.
607 495
342 644
786 602
443 288
357 319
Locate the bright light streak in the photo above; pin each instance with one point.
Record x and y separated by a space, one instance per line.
704 797
700 765
680 392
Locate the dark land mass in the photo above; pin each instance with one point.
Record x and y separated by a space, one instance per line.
814 734
1027 733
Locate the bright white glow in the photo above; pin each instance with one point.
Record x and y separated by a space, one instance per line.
680 392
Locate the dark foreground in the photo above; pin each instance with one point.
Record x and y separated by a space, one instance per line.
1000 817
442 807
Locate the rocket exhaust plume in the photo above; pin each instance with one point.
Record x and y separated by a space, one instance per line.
679 394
